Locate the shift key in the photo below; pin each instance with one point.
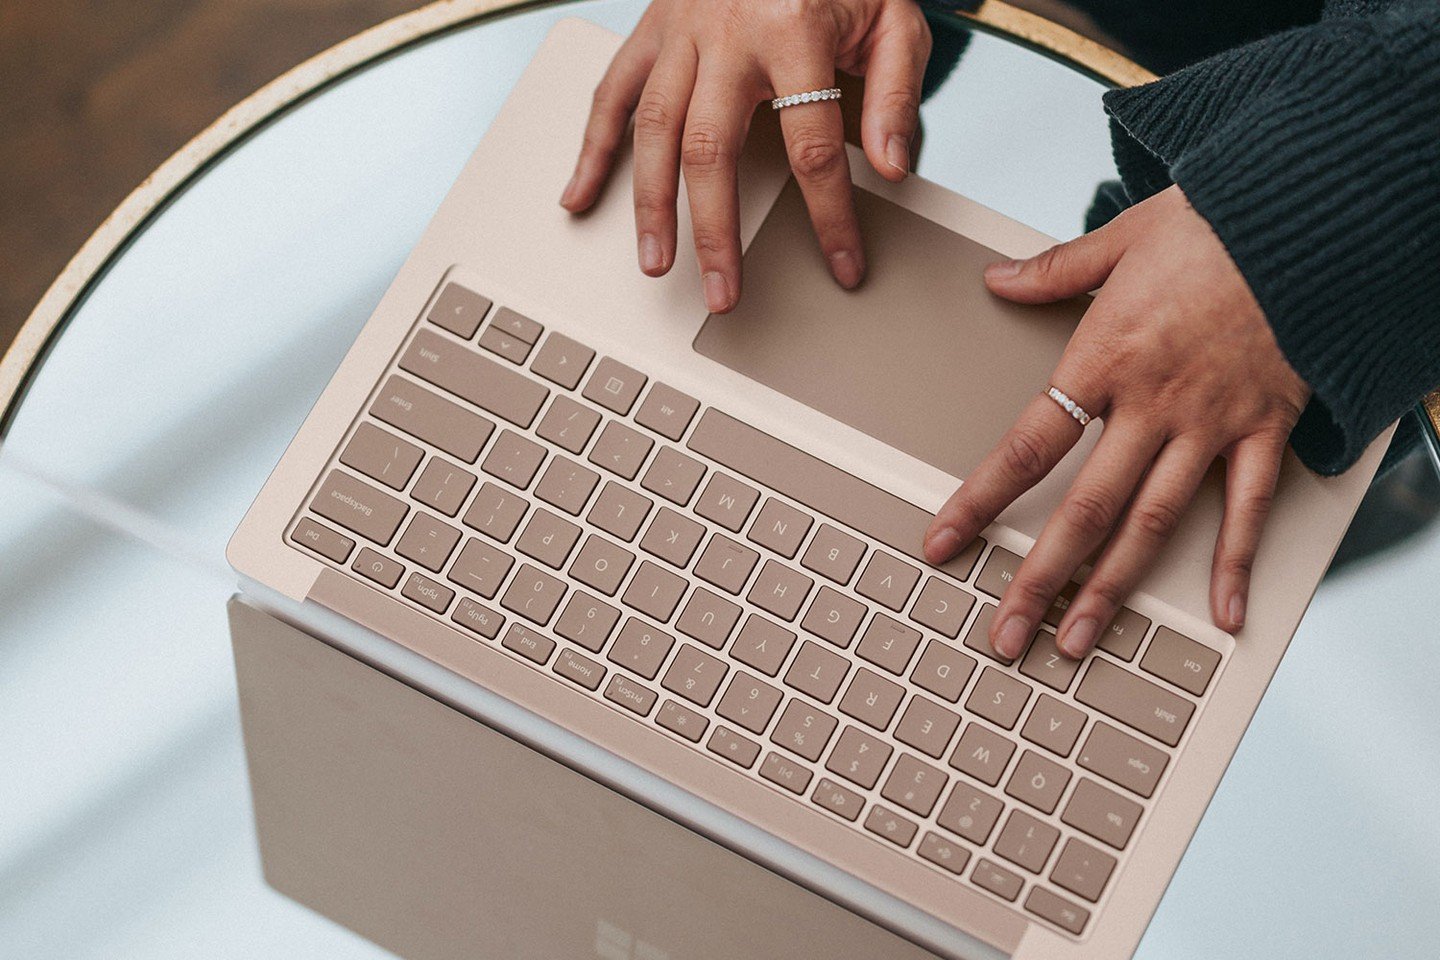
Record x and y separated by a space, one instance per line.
482 381
1135 702
359 507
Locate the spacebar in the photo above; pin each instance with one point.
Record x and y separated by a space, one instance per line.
822 487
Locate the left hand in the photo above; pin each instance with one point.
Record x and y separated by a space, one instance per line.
1177 357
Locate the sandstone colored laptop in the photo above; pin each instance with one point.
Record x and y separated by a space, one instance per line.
677 559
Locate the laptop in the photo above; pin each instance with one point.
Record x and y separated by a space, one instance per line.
676 558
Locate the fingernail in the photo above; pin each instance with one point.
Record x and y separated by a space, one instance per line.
1237 610
1004 269
1011 637
717 292
897 153
568 196
846 268
651 259
1079 638
942 545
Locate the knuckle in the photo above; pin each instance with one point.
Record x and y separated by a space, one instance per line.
1109 592
1237 564
905 102
1030 593
1257 501
710 243
1024 453
1052 260
653 203
703 148
1156 518
814 157
1091 510
653 114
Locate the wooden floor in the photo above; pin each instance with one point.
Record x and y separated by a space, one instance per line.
95 94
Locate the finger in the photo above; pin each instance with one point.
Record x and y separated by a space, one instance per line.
614 100
1148 524
1074 531
1065 270
659 123
715 129
815 143
1042 435
893 76
1251 473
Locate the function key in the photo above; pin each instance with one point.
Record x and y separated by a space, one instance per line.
614 386
788 774
1122 638
886 823
838 800
682 721
630 695
1182 661
481 620
667 411
991 876
516 325
562 361
428 593
943 853
324 541
833 555
459 310
530 644
733 747
581 670
1059 911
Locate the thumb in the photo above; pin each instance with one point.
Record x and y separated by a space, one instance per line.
1065 270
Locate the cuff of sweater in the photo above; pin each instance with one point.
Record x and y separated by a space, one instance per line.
1277 153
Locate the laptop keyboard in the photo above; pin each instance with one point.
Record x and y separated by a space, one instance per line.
753 601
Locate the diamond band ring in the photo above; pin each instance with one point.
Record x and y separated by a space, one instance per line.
812 96
1068 405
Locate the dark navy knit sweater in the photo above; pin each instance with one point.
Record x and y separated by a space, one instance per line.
1314 153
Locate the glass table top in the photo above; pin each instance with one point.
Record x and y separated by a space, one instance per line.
125 826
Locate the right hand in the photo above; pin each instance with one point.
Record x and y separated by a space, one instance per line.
692 74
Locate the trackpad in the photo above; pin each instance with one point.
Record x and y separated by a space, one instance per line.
921 356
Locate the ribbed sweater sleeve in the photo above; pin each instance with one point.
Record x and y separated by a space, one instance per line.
1315 156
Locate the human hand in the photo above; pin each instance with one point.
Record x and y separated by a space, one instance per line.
693 72
1176 355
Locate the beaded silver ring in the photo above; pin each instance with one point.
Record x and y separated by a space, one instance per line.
1068 405
812 96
